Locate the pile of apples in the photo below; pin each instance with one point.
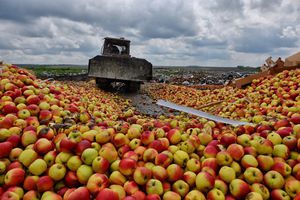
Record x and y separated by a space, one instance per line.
70 140
272 97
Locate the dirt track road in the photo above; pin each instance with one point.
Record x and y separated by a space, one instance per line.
144 103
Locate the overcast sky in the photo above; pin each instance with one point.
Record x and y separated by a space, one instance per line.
165 32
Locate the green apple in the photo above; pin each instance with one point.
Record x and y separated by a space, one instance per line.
292 187
57 171
181 158
4 134
204 181
38 167
89 135
108 153
173 148
274 180
205 138
23 114
254 196
115 165
261 189
49 195
88 155
2 167
83 173
119 189
253 175
193 165
275 138
102 137
117 178
181 188
63 157
96 146
154 186
227 174
237 168
244 140
141 175
27 157
74 163
281 150
50 158
224 158
170 195
221 185
134 143
195 195
249 161
44 105
134 131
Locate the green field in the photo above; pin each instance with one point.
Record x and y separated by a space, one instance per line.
55 70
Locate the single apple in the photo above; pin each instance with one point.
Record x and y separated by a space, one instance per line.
154 186
274 180
204 181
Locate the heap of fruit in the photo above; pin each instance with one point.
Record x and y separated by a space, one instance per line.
273 97
67 141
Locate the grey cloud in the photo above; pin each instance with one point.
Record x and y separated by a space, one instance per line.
265 6
253 40
153 19
207 42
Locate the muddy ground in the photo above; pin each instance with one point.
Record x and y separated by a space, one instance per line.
144 103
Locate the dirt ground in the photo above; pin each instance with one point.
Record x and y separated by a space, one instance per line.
144 103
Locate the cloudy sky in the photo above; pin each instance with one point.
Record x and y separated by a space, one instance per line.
165 32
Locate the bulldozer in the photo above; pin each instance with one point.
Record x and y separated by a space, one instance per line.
115 65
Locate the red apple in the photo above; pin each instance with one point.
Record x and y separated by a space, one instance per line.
290 141
6 148
45 116
97 182
81 193
81 146
236 151
227 139
107 194
284 131
44 183
130 187
295 118
71 179
9 108
175 172
33 99
67 145
30 182
33 109
14 140
239 188
14 177
43 146
127 166
281 123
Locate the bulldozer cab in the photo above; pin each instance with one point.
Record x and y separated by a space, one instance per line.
116 47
